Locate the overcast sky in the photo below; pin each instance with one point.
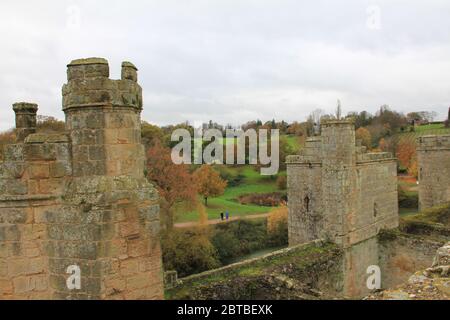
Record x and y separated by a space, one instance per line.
234 61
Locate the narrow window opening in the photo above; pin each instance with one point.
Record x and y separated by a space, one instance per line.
307 200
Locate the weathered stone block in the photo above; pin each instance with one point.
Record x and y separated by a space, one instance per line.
39 171
81 198
13 215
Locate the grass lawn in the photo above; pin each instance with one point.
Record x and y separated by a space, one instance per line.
294 142
430 129
404 212
252 182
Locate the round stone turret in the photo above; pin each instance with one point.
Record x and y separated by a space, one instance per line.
103 119
89 86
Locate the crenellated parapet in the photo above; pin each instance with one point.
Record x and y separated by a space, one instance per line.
433 142
80 198
433 157
339 191
89 85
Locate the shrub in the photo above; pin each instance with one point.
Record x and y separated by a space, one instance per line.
273 199
364 135
438 214
277 226
407 200
47 124
188 252
231 176
282 182
239 238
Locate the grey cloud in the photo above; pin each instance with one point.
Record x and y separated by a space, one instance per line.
233 61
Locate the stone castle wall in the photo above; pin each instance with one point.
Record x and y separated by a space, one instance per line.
433 154
81 198
338 191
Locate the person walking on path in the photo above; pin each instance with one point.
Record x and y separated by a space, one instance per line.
221 216
227 215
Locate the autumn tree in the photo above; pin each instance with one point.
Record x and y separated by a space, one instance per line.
364 135
209 183
296 128
48 124
406 154
174 182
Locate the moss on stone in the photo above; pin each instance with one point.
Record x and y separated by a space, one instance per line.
87 61
255 277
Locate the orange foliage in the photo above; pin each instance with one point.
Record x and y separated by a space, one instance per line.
412 169
364 135
209 182
174 182
406 151
276 218
406 154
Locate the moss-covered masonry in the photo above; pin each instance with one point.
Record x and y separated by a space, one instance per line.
307 271
339 191
81 198
433 155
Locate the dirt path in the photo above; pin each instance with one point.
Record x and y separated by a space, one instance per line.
217 221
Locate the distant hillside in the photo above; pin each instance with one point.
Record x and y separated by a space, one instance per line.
430 129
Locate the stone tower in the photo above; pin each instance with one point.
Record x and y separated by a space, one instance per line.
338 191
79 201
433 155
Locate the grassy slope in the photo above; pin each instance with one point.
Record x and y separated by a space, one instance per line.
439 214
252 183
430 129
294 142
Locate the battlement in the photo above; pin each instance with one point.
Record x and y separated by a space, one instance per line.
433 157
80 198
338 190
374 156
332 123
433 142
336 134
89 86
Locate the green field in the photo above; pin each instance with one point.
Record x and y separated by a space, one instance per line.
430 129
252 183
293 142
